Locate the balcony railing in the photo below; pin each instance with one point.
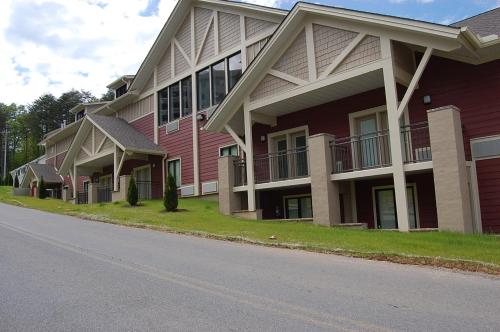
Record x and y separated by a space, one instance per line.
416 142
286 165
82 197
369 151
240 172
361 152
104 194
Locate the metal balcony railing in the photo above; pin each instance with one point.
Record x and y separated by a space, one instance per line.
104 194
240 172
285 165
416 142
82 197
361 152
369 151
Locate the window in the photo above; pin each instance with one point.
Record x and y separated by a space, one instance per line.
175 101
218 82
174 106
203 88
121 91
187 98
80 115
163 106
174 169
234 70
214 81
298 207
231 150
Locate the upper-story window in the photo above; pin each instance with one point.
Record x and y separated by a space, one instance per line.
80 115
215 81
121 91
175 101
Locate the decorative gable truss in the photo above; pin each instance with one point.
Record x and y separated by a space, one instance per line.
94 145
207 34
317 52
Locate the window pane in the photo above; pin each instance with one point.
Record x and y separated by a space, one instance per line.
163 106
203 89
234 69
175 111
218 83
186 96
229 151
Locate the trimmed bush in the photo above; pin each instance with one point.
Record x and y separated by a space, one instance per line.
42 193
132 193
170 200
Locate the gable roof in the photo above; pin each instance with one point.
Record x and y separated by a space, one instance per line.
45 171
484 24
124 135
440 34
173 23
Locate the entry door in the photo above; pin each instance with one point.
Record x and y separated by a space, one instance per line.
367 131
385 206
281 147
300 167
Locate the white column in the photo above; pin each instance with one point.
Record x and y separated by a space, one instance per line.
75 180
196 142
116 162
249 159
395 135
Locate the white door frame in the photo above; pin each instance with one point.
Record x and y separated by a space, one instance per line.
415 196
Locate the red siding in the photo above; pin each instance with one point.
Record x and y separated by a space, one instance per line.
425 196
332 118
488 178
180 144
145 125
473 89
209 153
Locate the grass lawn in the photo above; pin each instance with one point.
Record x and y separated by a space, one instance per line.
469 252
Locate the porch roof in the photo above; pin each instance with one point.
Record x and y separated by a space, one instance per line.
124 135
45 171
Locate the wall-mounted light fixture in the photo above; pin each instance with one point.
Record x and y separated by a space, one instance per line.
200 116
427 100
262 138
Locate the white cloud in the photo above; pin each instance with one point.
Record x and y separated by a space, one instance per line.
55 45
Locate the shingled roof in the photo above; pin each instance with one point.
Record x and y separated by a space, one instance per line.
484 24
47 172
124 134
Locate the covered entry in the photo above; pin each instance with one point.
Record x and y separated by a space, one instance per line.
103 149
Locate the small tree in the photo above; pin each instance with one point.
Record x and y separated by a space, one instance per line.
170 200
132 194
42 193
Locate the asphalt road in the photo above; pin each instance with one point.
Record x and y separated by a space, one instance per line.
59 273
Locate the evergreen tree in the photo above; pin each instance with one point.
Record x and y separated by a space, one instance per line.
42 193
170 200
132 194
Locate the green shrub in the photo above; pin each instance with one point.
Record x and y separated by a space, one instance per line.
132 194
170 200
42 193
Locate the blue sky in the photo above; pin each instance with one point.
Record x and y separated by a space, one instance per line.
55 45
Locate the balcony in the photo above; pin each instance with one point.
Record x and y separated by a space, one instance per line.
356 153
273 167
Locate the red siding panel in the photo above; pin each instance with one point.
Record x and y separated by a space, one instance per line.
180 144
209 153
488 178
145 125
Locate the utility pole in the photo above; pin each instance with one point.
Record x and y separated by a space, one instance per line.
6 130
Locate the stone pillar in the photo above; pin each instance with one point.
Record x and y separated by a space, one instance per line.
229 201
92 193
67 195
450 173
325 192
124 181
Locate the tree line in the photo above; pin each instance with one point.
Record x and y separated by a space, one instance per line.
28 124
